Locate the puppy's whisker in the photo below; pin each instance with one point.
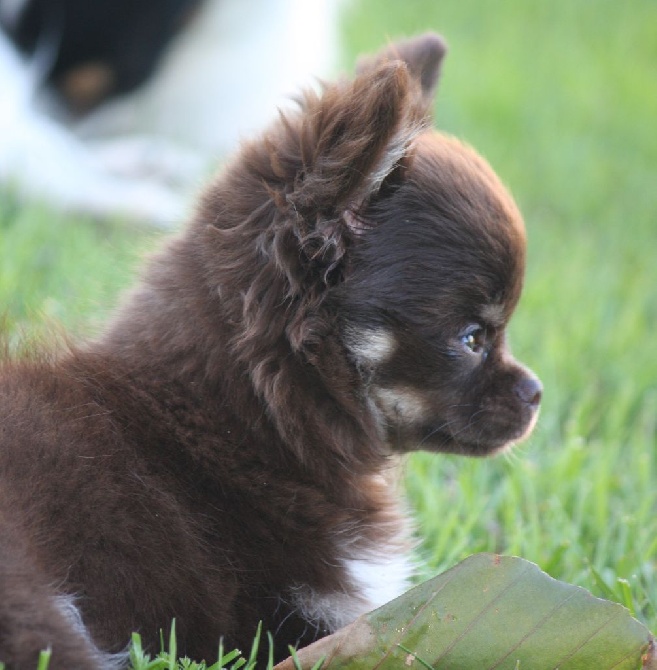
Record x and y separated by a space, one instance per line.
473 419
436 431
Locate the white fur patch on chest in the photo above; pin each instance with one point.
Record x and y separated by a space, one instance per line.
373 572
373 581
381 579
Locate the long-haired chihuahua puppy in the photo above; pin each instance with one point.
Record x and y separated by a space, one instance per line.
220 454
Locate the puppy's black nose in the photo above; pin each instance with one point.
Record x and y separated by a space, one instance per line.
529 390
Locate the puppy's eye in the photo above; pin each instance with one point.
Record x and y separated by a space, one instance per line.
474 340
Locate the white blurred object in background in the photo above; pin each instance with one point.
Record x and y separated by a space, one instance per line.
144 154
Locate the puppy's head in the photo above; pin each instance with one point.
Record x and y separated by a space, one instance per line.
390 261
433 280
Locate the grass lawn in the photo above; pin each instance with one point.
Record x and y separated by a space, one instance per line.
561 97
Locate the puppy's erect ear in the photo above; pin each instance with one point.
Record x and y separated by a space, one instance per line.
423 55
355 134
352 137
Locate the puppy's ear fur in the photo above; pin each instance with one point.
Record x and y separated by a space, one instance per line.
348 141
323 165
351 139
354 136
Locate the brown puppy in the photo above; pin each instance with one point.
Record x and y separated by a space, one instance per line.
218 455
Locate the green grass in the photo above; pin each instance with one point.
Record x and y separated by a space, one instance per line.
561 97
55 269
168 659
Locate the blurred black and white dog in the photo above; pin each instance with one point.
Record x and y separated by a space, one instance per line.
119 106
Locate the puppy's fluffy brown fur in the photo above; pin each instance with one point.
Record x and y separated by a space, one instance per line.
218 455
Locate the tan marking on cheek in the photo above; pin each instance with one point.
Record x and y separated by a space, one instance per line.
372 346
401 404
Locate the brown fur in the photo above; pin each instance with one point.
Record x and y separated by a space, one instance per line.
217 452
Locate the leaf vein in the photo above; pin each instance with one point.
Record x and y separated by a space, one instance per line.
586 640
478 616
531 632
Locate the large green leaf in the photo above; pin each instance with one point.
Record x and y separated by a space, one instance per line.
489 613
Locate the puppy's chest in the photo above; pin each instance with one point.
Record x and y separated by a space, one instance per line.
372 568
369 582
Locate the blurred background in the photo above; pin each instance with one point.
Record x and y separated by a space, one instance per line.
561 98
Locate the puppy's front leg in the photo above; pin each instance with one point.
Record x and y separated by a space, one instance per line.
33 617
